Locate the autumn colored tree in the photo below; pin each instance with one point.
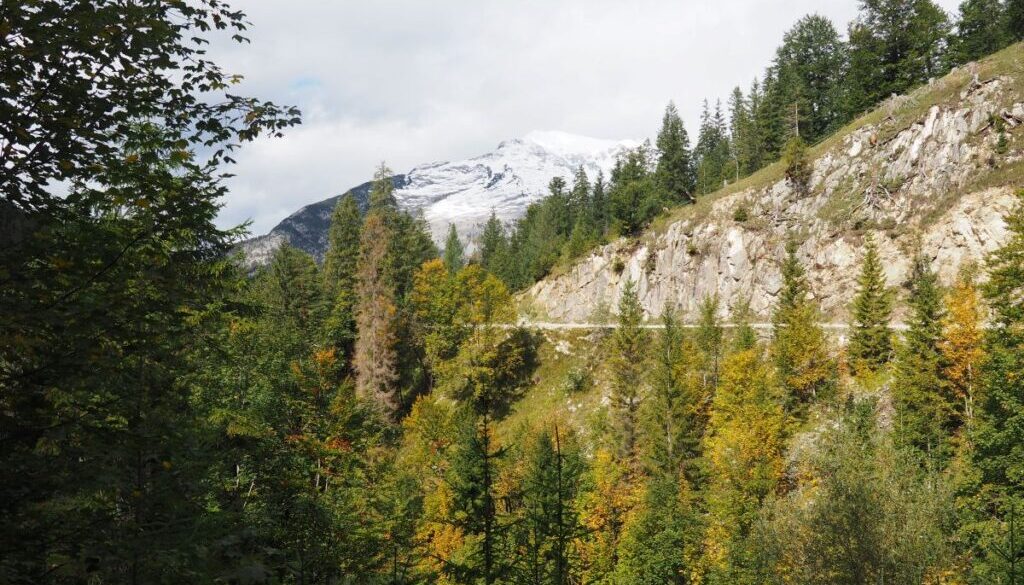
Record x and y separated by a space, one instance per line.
962 344
375 354
744 447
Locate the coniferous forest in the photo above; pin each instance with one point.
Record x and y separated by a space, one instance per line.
168 417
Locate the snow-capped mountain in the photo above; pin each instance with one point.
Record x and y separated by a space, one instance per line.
464 192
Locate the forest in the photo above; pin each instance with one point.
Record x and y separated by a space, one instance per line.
167 417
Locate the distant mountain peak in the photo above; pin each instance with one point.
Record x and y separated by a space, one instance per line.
464 192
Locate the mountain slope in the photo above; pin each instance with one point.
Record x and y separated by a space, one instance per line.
464 192
935 168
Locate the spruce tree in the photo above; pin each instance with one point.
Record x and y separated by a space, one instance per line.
799 346
599 206
744 337
494 248
629 346
923 412
674 172
454 255
382 191
339 273
1015 20
870 344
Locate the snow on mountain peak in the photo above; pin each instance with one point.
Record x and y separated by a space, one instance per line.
505 180
566 144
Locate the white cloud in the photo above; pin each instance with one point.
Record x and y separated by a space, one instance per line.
413 81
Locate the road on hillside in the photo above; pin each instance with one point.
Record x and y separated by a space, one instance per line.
555 326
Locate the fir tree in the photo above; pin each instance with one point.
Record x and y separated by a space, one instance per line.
744 336
599 206
628 346
494 248
870 345
454 256
674 173
1015 19
923 412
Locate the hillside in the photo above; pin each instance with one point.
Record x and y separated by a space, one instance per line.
936 166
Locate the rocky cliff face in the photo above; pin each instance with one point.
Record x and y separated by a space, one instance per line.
936 177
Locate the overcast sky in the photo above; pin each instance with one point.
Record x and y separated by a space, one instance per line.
414 81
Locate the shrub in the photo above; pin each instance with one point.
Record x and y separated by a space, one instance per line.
798 167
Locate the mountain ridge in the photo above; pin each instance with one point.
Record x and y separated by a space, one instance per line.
464 192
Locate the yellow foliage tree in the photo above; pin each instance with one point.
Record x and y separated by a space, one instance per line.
962 344
744 448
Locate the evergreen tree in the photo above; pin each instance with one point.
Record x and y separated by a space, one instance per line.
633 198
494 248
1015 20
744 336
709 337
339 274
382 191
670 415
454 256
870 345
375 350
799 346
551 489
980 30
629 343
998 437
798 167
923 412
712 151
894 45
674 174
742 136
658 536
813 59
599 206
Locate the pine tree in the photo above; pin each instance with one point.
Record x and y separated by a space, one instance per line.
629 345
670 416
599 206
799 346
375 350
339 274
454 256
741 133
659 534
1015 19
923 412
712 151
674 173
870 345
798 166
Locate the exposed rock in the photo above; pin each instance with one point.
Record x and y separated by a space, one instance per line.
907 186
